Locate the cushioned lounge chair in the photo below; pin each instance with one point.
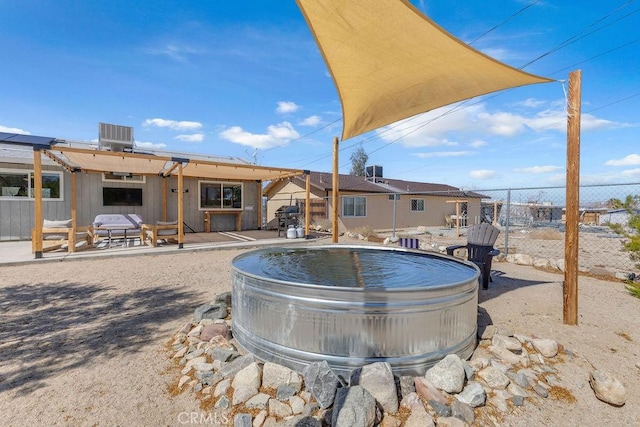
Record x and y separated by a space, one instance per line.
58 234
161 231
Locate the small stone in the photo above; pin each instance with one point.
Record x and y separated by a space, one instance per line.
278 409
183 380
223 403
180 353
546 347
410 401
210 311
516 390
390 421
250 375
510 343
242 420
419 418
243 393
463 411
540 390
284 392
259 401
321 381
354 406
428 391
499 403
222 387
213 330
504 355
494 377
608 388
517 400
487 332
441 409
297 404
472 395
448 374
259 419
377 378
275 375
450 422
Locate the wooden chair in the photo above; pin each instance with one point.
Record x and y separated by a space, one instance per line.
165 231
60 234
480 250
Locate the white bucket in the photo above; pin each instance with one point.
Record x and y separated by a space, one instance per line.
299 232
291 233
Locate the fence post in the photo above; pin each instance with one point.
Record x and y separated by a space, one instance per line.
394 216
506 230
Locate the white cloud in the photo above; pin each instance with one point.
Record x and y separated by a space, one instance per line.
442 154
151 145
286 107
631 173
173 124
276 136
14 130
195 137
312 121
630 160
482 174
531 102
175 51
478 143
538 169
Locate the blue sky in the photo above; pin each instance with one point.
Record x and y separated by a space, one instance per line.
245 79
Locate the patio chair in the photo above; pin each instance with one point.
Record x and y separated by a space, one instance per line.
58 234
480 250
162 231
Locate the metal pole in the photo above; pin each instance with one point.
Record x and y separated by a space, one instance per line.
506 229
394 217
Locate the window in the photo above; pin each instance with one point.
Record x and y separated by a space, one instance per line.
121 196
220 195
123 177
417 205
18 184
354 206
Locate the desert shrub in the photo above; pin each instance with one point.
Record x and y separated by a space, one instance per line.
634 289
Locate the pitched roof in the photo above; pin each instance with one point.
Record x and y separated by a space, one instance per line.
324 182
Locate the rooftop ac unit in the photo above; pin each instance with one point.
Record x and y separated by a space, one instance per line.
115 137
373 173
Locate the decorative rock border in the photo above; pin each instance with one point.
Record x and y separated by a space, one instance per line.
506 370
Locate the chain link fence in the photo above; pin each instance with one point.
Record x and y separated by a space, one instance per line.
531 221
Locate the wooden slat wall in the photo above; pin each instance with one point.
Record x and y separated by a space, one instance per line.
16 216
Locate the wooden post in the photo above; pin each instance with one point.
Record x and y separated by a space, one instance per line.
457 219
37 201
307 206
570 285
180 207
74 203
495 213
259 205
335 190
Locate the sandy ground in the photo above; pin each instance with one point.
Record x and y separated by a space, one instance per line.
83 342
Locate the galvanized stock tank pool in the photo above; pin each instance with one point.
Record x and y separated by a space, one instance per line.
354 305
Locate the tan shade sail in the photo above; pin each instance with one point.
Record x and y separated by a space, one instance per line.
88 160
390 62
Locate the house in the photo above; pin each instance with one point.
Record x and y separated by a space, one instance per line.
80 180
374 201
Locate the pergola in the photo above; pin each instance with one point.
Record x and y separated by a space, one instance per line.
75 160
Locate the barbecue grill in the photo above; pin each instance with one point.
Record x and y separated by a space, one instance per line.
286 216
